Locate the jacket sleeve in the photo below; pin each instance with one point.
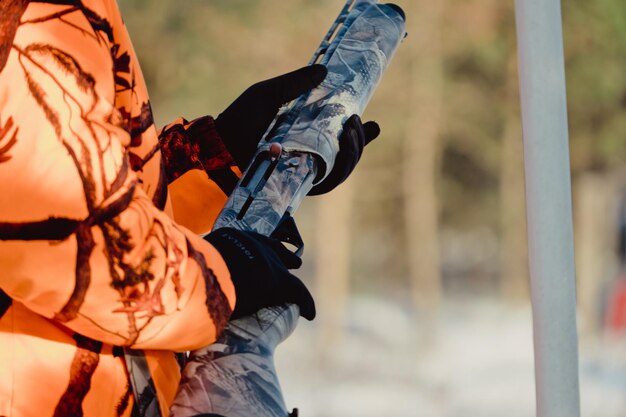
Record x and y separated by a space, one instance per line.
200 171
83 237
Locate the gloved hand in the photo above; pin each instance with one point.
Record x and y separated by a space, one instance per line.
353 138
258 267
244 122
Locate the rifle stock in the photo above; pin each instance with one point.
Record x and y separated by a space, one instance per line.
235 376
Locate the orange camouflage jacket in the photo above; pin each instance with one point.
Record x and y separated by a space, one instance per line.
94 251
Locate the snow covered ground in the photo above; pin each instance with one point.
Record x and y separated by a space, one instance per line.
474 359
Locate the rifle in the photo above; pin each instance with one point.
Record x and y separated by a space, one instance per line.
235 376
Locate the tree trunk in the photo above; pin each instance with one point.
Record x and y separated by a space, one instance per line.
514 274
332 265
421 152
595 228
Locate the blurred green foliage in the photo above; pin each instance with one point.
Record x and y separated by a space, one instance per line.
595 45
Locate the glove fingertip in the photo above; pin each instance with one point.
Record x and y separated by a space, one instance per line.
307 309
318 73
372 130
301 296
309 314
293 261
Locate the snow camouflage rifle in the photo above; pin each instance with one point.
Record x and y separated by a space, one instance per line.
235 376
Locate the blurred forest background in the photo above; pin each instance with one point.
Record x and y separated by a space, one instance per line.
434 216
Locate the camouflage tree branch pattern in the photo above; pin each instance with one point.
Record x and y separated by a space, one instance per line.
308 132
235 376
93 254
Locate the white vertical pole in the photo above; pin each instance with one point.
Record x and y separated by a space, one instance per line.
549 209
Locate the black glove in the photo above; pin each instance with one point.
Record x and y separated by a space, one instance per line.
353 138
258 267
244 122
